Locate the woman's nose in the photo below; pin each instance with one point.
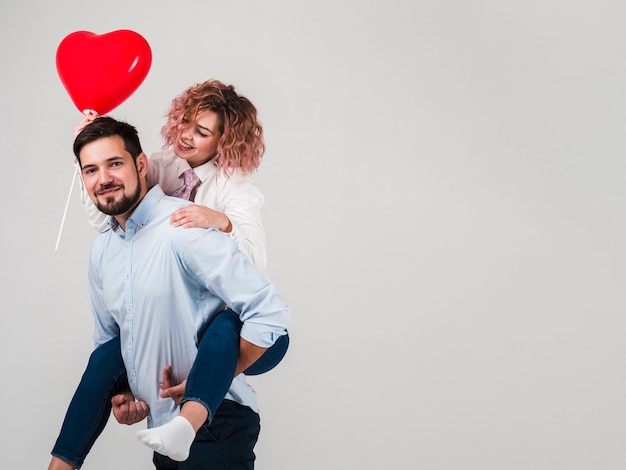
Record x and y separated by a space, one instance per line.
184 130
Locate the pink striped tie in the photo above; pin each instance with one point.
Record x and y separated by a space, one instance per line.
191 182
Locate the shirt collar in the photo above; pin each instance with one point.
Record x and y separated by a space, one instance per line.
141 215
204 171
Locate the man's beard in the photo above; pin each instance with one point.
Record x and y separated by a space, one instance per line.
120 207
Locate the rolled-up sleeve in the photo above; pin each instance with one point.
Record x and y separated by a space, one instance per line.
217 263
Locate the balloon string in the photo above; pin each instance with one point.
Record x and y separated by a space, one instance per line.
66 205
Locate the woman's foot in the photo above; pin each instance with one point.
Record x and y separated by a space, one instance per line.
173 439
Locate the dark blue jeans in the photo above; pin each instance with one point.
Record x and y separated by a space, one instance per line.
105 376
227 443
89 410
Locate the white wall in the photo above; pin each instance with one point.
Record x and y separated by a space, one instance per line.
445 216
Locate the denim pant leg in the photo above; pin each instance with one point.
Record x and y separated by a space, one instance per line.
214 368
225 444
216 362
90 407
270 358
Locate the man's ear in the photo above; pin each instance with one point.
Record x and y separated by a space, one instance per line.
142 164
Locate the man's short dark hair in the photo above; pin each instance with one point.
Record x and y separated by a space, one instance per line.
105 126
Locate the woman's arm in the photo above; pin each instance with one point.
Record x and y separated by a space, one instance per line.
233 206
243 204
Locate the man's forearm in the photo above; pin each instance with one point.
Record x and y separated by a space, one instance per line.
248 354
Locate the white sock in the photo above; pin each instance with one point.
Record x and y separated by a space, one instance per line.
173 439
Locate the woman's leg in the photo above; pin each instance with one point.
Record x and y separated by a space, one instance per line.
90 407
214 368
207 384
208 381
270 358
218 351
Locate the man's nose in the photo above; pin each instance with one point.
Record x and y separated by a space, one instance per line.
105 177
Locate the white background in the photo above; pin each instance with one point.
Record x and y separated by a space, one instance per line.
445 217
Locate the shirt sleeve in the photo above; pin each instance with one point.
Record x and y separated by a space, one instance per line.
216 263
242 202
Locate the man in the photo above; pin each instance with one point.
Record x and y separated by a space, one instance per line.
157 286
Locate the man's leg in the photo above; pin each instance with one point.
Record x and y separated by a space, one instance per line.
228 442
90 407
161 462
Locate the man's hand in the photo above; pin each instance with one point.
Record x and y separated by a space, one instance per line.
128 411
168 389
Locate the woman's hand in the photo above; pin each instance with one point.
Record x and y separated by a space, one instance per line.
201 216
87 118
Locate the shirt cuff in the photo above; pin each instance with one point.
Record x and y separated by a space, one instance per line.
263 337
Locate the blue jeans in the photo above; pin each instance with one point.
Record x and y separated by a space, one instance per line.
90 407
105 376
227 443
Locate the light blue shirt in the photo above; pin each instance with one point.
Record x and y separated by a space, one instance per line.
156 285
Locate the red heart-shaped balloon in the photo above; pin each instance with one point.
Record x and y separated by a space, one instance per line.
101 71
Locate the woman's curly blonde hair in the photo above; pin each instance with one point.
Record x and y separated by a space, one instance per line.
241 144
